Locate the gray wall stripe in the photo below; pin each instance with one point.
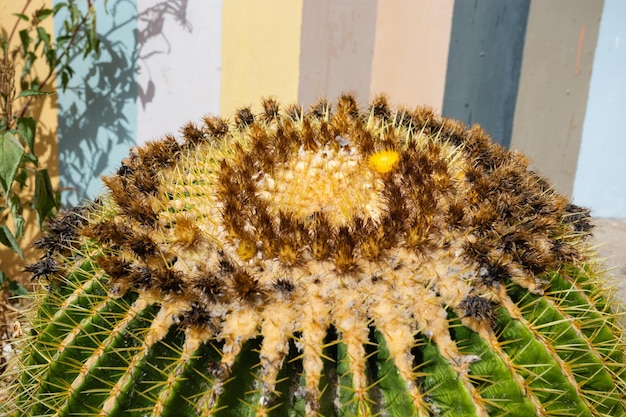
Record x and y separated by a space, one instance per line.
484 63
337 48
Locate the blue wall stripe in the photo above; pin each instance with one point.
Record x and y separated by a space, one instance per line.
600 180
486 48
98 110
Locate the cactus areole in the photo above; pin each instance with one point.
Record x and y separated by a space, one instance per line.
330 262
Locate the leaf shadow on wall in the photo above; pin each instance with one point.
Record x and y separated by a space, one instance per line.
98 111
153 41
94 119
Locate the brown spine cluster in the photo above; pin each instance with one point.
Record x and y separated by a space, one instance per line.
448 182
293 222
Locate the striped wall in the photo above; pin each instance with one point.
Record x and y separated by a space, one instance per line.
544 77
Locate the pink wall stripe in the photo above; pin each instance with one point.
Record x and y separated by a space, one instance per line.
411 51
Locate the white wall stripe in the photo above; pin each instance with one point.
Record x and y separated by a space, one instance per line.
179 64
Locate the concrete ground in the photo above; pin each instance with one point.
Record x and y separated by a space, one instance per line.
609 236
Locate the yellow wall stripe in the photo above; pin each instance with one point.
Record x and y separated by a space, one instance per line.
260 51
43 110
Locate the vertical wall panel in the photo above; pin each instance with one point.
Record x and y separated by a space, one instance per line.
178 60
411 51
43 109
337 48
260 51
600 181
179 64
98 112
484 64
554 84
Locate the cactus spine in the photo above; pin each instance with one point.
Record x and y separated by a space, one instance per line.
328 262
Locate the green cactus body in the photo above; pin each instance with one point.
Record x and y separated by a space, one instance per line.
334 262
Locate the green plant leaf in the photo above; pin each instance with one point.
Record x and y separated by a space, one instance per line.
19 227
16 289
29 58
75 13
32 158
15 204
43 13
44 200
51 58
58 7
66 74
27 127
8 240
11 153
93 43
21 16
43 36
27 93
22 175
25 38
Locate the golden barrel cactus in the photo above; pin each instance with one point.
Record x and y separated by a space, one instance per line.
329 262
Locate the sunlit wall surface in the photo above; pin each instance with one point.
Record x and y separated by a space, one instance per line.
543 77
601 176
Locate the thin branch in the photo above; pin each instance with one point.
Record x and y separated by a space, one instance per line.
65 52
17 21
